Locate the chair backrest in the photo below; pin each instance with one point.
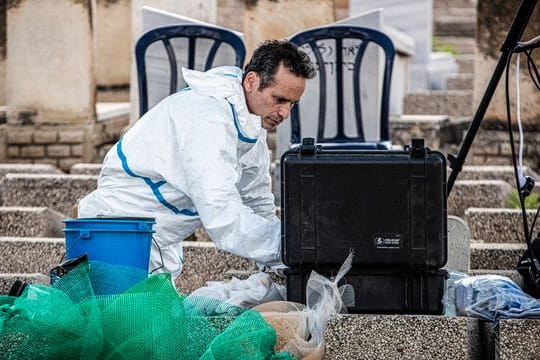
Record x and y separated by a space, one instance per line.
195 46
351 43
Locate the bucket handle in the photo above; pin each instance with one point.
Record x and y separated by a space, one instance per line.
85 234
160 255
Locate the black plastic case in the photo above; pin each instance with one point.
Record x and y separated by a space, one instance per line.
389 206
382 291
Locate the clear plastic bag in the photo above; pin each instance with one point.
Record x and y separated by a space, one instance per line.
494 297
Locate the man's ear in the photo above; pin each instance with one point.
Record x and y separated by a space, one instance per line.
251 81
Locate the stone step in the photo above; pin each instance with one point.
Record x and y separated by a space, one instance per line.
466 63
30 255
452 25
493 172
454 103
30 222
58 192
499 256
29 169
350 336
462 45
454 11
7 280
460 82
85 169
497 225
477 193
447 4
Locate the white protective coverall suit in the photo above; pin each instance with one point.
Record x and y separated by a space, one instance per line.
197 158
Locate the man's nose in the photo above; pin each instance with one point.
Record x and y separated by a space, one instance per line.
285 110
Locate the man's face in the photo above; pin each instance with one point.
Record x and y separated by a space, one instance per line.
273 103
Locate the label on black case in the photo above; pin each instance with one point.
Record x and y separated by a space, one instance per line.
387 241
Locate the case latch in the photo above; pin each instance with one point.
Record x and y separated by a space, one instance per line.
417 147
308 146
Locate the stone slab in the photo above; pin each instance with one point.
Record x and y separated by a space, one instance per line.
59 192
459 251
452 25
496 256
439 102
85 169
517 339
477 193
29 169
204 262
30 222
401 337
493 172
431 128
497 225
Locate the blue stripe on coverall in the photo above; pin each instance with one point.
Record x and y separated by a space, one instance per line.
241 136
153 185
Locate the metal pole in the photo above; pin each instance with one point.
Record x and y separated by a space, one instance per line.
514 35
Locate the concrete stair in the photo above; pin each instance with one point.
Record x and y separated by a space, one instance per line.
30 222
59 192
33 257
477 193
497 225
456 23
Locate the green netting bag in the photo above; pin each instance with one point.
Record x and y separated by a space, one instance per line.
148 321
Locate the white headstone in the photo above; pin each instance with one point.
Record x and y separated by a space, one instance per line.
157 63
413 17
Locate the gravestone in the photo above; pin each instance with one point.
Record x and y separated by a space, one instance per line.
414 18
112 34
49 75
494 18
172 11
265 20
157 65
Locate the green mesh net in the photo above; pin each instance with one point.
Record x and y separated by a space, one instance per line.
151 320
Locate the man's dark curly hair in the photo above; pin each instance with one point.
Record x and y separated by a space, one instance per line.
270 54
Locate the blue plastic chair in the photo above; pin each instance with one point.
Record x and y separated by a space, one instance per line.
338 34
193 34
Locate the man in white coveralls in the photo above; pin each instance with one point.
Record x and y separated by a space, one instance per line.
199 157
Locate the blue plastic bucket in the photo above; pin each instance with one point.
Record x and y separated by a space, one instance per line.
116 241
